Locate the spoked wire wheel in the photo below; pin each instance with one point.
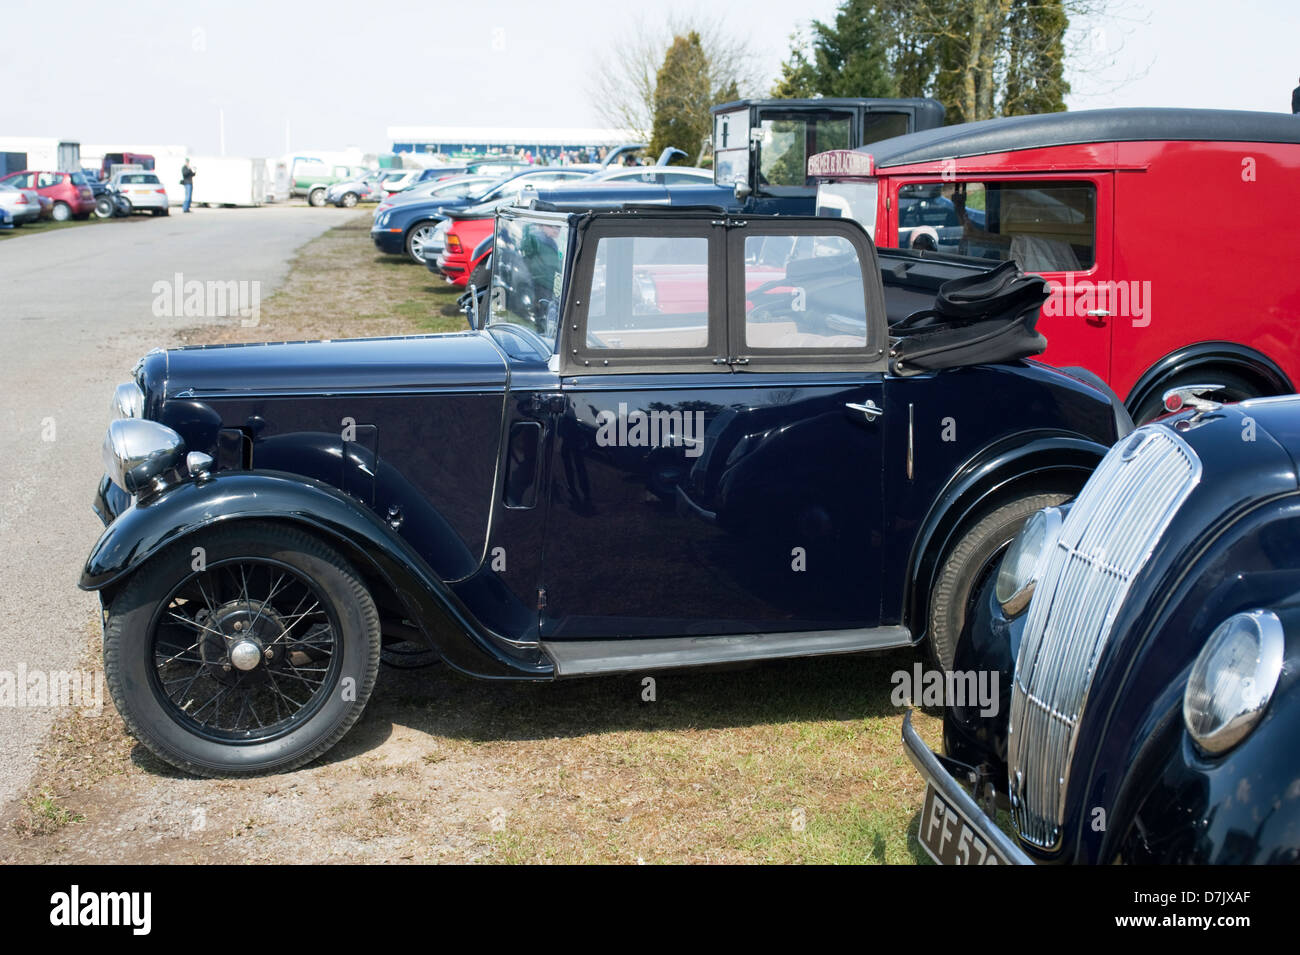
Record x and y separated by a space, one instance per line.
245 650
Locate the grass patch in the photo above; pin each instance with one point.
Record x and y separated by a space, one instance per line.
340 286
44 815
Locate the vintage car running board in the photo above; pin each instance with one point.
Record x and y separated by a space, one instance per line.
631 654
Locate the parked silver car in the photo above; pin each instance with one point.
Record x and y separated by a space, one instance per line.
143 188
23 205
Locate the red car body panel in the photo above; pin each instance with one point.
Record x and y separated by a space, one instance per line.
1175 222
456 263
78 198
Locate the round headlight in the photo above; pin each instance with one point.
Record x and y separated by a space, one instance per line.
1233 679
1022 564
128 401
136 451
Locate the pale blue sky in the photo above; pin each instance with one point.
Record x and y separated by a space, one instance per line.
158 71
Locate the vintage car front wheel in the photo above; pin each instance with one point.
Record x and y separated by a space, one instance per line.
244 650
969 563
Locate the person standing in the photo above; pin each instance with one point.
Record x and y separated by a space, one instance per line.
187 180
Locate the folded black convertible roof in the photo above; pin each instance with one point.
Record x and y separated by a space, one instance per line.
1010 133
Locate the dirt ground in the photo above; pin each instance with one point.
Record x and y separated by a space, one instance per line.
795 761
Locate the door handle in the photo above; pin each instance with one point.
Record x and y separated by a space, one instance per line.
1097 317
871 411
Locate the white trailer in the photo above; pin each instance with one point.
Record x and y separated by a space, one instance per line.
228 181
45 153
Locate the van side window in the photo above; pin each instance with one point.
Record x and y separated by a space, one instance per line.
1043 226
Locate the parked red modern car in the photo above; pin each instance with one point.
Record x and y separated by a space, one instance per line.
68 191
464 236
1168 235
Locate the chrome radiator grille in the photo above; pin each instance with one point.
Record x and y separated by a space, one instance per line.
1107 536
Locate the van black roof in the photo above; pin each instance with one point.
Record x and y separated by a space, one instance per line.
1010 133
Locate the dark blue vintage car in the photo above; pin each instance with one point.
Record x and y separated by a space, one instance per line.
1148 641
678 438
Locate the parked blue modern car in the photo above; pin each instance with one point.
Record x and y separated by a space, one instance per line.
407 227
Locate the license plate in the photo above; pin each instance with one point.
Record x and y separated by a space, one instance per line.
950 838
142 192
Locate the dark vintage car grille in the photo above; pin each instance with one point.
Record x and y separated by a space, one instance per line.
1107 536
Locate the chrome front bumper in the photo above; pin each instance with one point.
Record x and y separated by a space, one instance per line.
934 773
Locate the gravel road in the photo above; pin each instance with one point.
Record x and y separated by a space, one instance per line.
76 311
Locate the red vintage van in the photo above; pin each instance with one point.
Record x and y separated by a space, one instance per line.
1169 236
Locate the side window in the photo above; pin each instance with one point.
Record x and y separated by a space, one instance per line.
46 179
22 182
1043 226
787 142
649 292
803 291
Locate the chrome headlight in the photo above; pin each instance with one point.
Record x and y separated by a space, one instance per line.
382 219
1233 679
128 401
138 451
1023 562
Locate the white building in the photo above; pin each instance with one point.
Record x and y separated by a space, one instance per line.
487 140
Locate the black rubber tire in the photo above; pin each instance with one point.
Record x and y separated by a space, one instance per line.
127 652
316 197
966 566
158 212
1235 388
62 212
481 276
348 200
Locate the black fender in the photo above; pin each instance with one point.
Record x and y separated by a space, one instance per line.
1037 458
1240 808
1246 361
379 552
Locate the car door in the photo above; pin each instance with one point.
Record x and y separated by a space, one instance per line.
717 465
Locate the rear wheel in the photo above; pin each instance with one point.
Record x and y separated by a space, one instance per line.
967 567
104 207
62 212
255 659
482 275
316 198
1235 388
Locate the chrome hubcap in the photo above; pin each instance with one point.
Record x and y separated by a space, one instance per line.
245 655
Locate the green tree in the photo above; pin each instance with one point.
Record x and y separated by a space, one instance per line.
851 56
980 58
798 79
1035 78
684 91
